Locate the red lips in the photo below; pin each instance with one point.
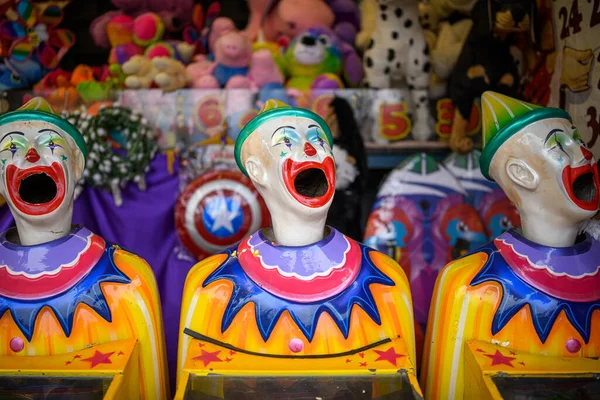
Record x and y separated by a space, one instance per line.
291 169
14 177
569 176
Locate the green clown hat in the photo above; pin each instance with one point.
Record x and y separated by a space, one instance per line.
275 109
503 117
38 109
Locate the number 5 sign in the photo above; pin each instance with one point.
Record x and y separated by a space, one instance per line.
394 124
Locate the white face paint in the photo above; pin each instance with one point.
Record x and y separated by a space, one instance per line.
38 169
291 163
563 172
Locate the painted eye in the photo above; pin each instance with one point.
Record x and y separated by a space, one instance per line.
51 144
15 78
505 223
286 140
325 41
462 227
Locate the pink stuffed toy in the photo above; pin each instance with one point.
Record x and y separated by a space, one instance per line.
174 14
264 70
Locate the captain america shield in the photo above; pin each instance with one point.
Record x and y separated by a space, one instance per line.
217 210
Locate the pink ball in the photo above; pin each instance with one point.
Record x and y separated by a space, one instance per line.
147 29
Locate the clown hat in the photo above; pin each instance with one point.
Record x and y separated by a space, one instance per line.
275 109
503 117
38 109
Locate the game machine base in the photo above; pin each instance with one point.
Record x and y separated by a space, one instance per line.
107 371
494 372
213 371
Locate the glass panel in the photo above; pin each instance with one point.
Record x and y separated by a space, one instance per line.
548 388
390 387
53 388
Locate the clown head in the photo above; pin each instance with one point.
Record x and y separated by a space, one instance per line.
538 158
287 153
42 157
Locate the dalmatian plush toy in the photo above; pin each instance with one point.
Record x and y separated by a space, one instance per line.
395 48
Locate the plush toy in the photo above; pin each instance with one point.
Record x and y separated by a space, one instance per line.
266 77
170 74
395 46
197 33
347 19
199 75
140 73
232 56
445 40
315 59
486 62
174 16
15 75
285 19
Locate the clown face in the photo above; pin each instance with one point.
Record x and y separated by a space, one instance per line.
39 168
298 162
567 171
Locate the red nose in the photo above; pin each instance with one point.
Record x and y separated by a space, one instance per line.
32 155
309 150
586 153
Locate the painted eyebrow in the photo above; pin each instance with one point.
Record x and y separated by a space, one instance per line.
313 126
12 133
552 132
281 127
50 130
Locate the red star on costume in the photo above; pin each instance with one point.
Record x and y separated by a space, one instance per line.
522 363
76 356
512 353
201 345
120 353
363 364
388 355
207 357
499 359
480 351
99 358
361 355
68 362
231 352
227 359
348 360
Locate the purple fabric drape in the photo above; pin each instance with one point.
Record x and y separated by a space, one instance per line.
144 225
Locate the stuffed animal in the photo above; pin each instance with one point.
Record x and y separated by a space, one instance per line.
140 73
486 61
285 19
232 56
347 19
199 75
174 16
445 40
395 46
170 74
316 58
16 75
266 77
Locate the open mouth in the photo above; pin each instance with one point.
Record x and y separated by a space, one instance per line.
582 185
37 190
310 183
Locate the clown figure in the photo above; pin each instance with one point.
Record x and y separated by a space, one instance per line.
63 289
534 292
299 298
